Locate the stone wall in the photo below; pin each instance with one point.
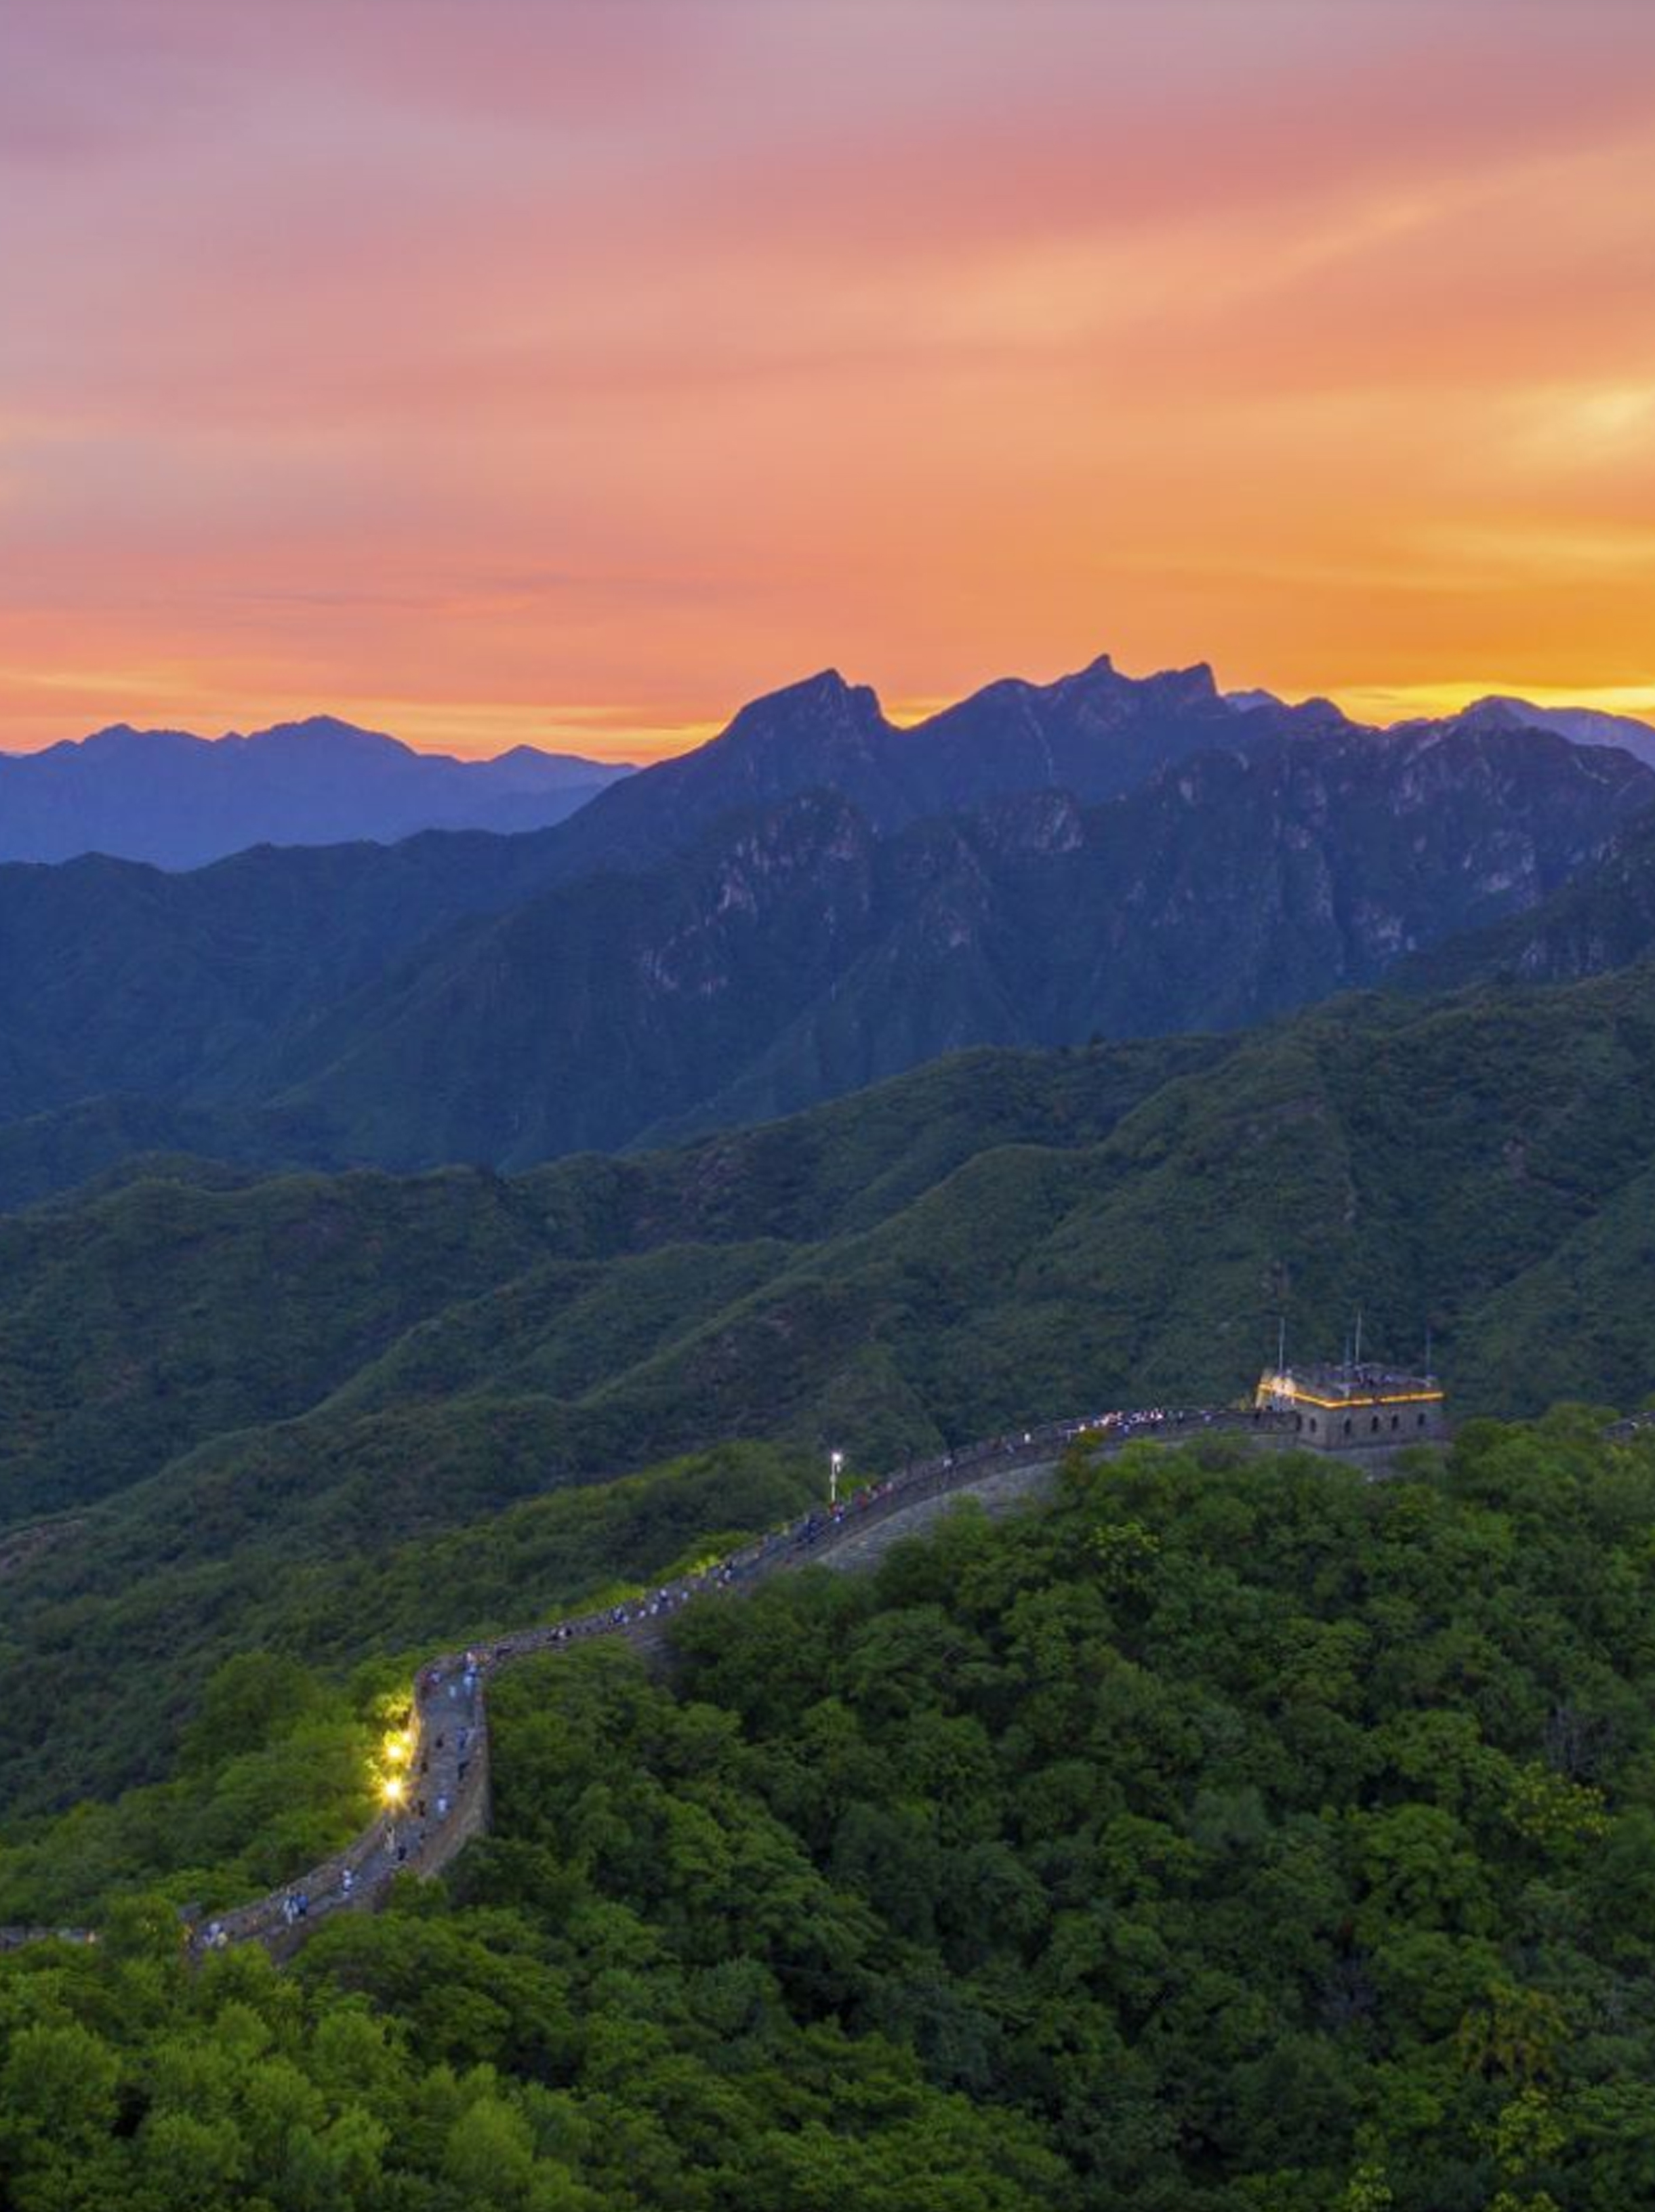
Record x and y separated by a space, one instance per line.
448 1798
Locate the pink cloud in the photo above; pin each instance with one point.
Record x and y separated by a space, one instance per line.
640 354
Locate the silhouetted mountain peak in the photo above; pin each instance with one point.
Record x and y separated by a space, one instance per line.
822 707
1100 693
317 731
827 683
1495 714
1498 715
1314 713
1100 675
121 739
1195 686
1581 726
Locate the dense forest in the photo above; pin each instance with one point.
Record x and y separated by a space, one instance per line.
245 1413
127 1657
1228 1834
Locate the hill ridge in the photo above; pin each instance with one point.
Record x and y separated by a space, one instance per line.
179 801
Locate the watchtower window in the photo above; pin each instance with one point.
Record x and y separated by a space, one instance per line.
1374 1425
1348 1425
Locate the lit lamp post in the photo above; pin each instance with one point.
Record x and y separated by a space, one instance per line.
836 1462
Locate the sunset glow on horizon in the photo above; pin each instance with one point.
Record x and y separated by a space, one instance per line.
504 371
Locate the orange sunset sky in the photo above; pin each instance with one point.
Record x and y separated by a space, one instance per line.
490 370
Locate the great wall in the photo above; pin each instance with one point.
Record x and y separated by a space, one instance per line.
442 1787
446 1763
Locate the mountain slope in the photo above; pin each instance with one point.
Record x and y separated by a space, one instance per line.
218 1389
114 979
438 1001
1094 735
1601 920
1223 1832
801 956
1581 726
179 801
115 976
462 996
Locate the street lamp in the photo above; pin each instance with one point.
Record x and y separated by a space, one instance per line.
836 1462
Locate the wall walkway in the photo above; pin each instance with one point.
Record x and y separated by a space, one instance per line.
445 1798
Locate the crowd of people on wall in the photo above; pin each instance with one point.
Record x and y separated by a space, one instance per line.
448 1725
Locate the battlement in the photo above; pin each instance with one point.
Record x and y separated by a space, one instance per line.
1355 1407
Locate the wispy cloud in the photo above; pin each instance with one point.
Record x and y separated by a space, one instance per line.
476 356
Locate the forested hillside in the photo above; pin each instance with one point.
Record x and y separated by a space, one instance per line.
1231 1834
213 1393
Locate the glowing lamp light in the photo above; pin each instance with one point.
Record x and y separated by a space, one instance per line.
393 1790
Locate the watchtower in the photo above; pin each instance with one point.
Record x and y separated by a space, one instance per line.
1355 1407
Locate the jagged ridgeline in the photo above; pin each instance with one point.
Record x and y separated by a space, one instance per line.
813 901
227 1407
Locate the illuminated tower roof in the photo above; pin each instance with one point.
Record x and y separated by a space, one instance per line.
1356 1405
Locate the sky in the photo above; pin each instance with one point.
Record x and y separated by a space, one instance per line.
493 371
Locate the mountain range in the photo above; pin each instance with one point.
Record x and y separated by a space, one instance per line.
794 955
180 801
815 900
1095 734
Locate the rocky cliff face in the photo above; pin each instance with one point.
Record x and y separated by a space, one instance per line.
799 954
1602 920
454 999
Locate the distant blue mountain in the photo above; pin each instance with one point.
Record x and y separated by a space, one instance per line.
180 801
1581 726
